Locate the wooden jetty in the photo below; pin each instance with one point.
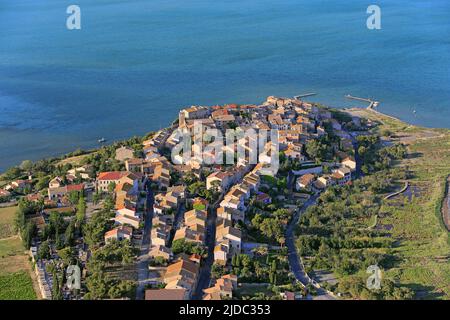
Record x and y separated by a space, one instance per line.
372 103
305 95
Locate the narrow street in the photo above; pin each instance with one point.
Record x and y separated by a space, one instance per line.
204 278
177 221
143 259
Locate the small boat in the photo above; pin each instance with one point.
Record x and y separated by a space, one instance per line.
414 111
101 140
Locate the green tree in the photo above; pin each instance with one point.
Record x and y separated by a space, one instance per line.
217 270
26 165
19 220
121 288
12 173
27 234
59 243
81 211
111 187
69 234
273 267
42 183
56 222
44 250
96 198
97 284
67 255
74 196
94 230
56 287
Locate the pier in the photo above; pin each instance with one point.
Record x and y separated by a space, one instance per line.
305 95
372 103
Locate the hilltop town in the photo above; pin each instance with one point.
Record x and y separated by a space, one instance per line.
141 226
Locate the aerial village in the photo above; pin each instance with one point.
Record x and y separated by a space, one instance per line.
199 231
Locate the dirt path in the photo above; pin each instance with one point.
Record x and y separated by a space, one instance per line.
398 192
34 279
446 205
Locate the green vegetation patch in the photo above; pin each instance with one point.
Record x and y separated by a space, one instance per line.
422 248
7 222
10 247
16 286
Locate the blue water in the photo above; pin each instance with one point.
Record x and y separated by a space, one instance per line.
135 63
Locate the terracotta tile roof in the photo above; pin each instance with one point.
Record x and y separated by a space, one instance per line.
306 179
219 112
182 265
337 175
165 294
111 175
112 233
4 193
75 187
262 196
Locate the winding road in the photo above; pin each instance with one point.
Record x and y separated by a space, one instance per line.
293 257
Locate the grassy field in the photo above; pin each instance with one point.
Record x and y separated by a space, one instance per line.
75 161
16 286
10 247
423 245
251 289
15 270
6 222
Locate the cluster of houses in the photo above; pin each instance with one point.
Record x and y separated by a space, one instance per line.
297 122
180 280
314 180
16 186
5 194
182 271
76 180
127 186
223 288
230 212
165 206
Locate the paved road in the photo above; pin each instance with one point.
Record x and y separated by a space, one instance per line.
204 278
293 257
8 204
177 221
143 259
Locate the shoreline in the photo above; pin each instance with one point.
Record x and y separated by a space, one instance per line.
349 110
